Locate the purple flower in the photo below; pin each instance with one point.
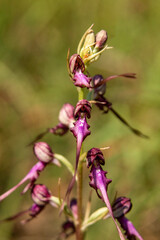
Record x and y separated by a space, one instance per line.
102 80
95 155
66 120
99 85
76 64
81 80
76 67
45 156
43 152
99 181
80 132
130 231
101 39
60 129
83 107
98 90
66 115
33 211
122 206
80 129
41 196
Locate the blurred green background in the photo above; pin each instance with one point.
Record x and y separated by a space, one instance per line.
34 84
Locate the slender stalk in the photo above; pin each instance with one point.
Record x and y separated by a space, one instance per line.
79 233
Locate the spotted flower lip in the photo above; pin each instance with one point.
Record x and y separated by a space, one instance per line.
80 129
98 180
81 80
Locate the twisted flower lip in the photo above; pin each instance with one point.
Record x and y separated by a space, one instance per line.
80 132
99 181
45 156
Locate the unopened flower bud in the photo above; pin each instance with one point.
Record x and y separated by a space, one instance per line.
40 194
121 206
95 155
91 46
76 64
68 229
97 79
83 107
74 207
43 152
66 115
101 39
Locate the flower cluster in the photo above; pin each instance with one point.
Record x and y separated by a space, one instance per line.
75 120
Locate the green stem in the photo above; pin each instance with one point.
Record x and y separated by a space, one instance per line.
79 233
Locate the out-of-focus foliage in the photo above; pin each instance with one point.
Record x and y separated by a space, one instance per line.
34 83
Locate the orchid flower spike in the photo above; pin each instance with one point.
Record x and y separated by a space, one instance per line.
99 181
76 68
45 156
120 208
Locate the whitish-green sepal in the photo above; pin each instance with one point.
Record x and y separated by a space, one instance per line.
95 217
65 161
55 201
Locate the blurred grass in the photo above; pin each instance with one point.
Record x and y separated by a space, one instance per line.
34 84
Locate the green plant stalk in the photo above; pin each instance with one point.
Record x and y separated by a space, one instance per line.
79 232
